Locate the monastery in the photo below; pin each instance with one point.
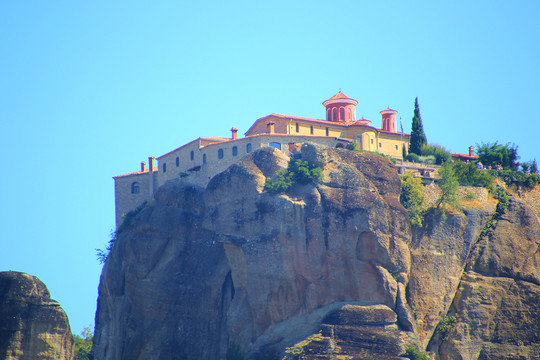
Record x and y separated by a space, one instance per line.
199 160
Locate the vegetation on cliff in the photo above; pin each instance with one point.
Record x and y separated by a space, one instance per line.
83 345
298 172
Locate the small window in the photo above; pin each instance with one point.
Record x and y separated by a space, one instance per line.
164 167
275 145
327 132
135 188
204 159
371 141
249 148
192 155
220 154
177 161
380 145
396 147
234 151
311 129
297 127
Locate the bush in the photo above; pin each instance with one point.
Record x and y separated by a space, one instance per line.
440 154
412 198
428 159
83 345
414 354
445 326
298 172
412 157
470 175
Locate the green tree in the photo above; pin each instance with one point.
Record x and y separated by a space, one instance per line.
412 198
298 172
418 137
470 175
440 153
83 344
497 154
448 184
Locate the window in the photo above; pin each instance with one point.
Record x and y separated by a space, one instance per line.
164 167
311 129
220 154
275 145
341 114
380 145
234 151
396 147
192 155
249 148
297 127
327 132
177 161
135 188
371 141
204 159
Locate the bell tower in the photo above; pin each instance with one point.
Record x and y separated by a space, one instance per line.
340 108
389 120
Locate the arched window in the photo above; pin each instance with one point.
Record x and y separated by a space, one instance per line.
204 159
275 145
341 114
334 114
234 151
249 148
220 154
135 188
177 161
349 118
192 155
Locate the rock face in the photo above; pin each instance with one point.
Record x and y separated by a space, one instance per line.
199 271
204 268
497 304
32 325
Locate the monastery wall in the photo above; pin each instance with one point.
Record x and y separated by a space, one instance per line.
125 197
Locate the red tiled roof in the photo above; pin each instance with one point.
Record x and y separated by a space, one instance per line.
464 156
339 95
135 173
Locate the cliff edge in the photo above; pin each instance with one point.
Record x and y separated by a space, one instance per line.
32 325
230 266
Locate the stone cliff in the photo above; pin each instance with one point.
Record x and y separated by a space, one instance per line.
199 271
32 325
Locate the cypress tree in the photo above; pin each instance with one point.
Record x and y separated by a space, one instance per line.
418 137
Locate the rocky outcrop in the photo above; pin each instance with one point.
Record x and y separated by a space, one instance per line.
32 325
497 304
334 267
204 268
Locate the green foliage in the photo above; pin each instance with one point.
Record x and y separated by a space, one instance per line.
83 345
412 157
470 175
298 172
295 352
351 146
234 352
440 153
502 196
516 178
534 167
414 354
449 185
412 198
429 159
101 254
445 326
497 154
418 137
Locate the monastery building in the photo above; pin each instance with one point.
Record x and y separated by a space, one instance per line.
199 160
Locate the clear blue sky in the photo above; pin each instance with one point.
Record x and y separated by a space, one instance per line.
90 89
